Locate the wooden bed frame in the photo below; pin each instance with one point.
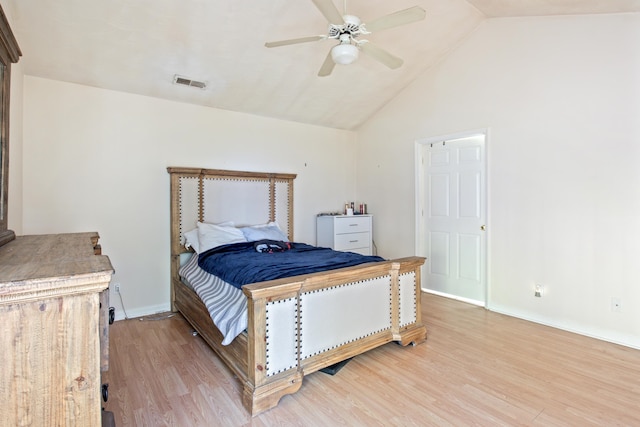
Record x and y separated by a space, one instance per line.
296 325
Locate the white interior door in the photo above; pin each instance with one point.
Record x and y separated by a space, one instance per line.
452 216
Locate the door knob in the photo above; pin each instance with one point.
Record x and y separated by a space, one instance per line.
483 227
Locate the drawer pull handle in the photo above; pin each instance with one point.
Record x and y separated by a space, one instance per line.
353 225
353 241
105 392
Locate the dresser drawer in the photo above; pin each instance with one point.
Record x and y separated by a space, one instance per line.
353 233
351 241
352 224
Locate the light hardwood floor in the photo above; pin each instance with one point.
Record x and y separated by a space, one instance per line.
476 368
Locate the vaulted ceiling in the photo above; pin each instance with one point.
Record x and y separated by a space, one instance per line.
139 46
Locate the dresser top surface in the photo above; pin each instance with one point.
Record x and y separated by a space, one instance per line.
38 257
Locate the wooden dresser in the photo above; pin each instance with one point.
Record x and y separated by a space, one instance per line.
54 333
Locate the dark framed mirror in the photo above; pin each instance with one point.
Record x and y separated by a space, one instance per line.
9 54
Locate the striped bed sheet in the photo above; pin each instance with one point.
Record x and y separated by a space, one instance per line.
227 305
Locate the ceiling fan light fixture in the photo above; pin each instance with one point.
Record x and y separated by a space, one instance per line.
344 54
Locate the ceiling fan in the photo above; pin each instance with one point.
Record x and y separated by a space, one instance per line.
347 29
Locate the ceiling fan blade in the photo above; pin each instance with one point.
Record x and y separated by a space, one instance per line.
329 10
294 41
327 66
380 55
402 17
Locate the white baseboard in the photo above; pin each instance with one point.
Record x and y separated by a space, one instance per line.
142 311
455 297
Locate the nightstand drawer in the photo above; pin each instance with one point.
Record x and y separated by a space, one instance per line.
353 224
348 242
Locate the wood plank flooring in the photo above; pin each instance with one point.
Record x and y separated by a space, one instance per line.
476 368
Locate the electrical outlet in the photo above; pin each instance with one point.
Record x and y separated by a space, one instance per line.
117 287
538 291
616 305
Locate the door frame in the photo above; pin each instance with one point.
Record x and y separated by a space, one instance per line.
420 235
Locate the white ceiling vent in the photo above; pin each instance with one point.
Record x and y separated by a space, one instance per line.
185 81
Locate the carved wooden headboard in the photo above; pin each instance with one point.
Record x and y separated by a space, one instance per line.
215 196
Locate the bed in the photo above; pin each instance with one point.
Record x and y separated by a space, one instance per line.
297 325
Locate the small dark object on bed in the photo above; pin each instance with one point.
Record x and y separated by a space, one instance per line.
270 246
333 369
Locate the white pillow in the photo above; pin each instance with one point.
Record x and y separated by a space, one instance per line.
213 235
270 231
191 239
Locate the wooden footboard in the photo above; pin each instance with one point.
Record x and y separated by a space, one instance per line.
299 325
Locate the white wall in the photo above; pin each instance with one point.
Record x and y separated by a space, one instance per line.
561 97
95 160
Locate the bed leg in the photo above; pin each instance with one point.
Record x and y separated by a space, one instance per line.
267 396
415 335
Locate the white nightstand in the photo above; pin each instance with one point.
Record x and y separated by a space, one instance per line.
353 233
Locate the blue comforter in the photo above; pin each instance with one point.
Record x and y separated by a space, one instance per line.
239 263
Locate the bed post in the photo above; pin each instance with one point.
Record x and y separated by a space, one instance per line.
261 392
175 236
272 198
290 208
406 299
395 300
